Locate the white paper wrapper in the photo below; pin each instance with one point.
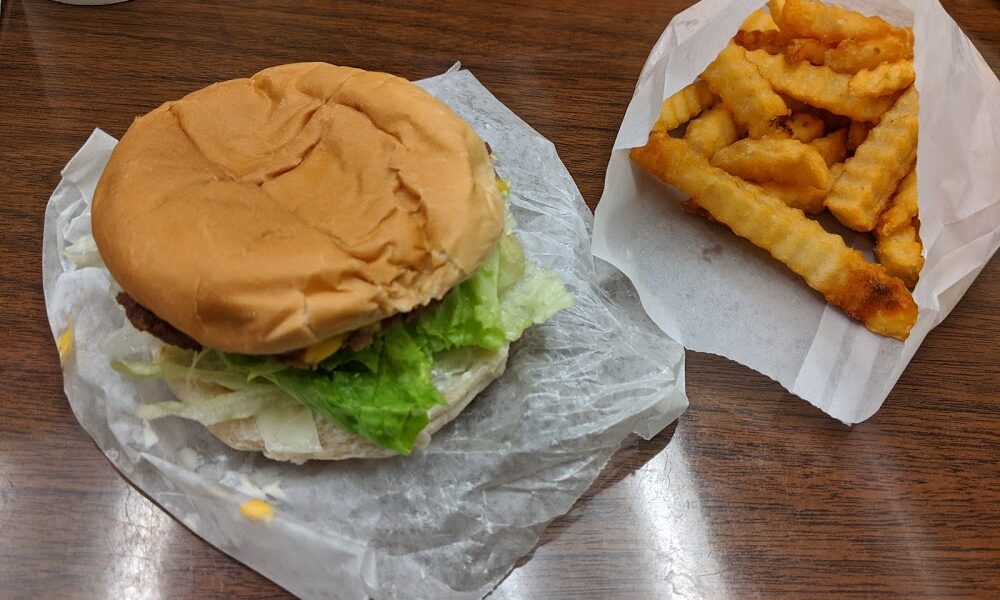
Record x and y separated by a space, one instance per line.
449 521
717 293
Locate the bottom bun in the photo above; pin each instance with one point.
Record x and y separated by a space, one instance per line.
459 387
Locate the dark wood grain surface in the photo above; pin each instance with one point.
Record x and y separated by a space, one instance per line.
752 494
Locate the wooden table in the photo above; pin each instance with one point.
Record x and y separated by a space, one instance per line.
752 494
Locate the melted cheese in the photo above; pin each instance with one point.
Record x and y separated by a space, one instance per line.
257 510
320 351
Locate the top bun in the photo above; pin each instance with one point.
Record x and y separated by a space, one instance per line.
262 215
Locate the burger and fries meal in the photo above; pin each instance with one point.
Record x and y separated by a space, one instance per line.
809 108
326 255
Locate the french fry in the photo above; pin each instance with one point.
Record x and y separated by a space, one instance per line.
836 172
883 80
805 198
744 91
857 134
873 173
818 86
683 106
862 289
769 159
901 253
802 126
758 21
853 55
770 40
897 239
805 49
713 130
902 208
830 24
833 147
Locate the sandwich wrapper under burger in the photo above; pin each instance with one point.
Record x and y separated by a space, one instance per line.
715 292
450 520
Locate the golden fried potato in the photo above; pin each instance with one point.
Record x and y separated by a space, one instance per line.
836 172
770 40
901 253
833 148
853 55
827 23
805 198
818 86
897 237
774 160
806 49
862 289
744 91
801 126
713 130
883 80
683 106
902 208
873 173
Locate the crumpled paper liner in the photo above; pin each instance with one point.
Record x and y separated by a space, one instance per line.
715 292
449 521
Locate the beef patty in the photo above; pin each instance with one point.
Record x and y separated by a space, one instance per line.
143 319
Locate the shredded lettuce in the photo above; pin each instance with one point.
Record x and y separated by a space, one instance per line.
383 392
216 408
168 367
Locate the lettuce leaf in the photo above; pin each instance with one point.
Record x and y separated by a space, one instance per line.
532 300
387 405
384 392
468 315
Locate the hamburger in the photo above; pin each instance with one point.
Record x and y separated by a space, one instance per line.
326 256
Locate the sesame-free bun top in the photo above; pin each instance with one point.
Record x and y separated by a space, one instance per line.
262 215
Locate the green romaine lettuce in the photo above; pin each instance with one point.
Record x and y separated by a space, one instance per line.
387 405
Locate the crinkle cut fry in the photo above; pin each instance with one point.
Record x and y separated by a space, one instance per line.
769 159
771 40
683 106
853 55
901 253
744 92
897 239
833 147
871 176
818 86
827 23
862 289
885 79
806 49
713 130
902 207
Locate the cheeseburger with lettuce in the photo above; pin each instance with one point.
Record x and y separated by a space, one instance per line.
324 253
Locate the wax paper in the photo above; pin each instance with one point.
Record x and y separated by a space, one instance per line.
449 521
715 292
